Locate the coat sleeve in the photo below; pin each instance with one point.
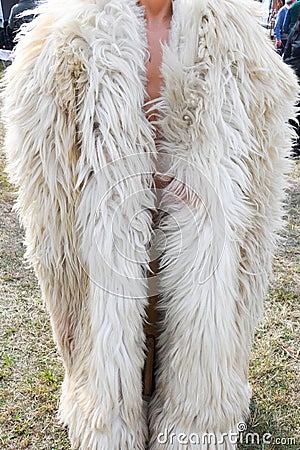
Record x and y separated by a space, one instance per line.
261 94
40 98
268 90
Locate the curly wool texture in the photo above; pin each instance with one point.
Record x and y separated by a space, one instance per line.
81 153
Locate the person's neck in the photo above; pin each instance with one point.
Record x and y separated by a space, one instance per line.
157 10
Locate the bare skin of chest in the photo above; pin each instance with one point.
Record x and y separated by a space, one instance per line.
158 14
156 36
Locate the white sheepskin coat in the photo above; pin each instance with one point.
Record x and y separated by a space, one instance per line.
82 154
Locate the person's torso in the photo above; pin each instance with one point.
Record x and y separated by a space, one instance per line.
294 12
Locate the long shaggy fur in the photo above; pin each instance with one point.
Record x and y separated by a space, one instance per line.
81 153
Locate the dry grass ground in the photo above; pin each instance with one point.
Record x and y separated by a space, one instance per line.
31 371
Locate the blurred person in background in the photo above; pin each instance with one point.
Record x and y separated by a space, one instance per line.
292 57
18 16
291 17
1 18
1 26
280 36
